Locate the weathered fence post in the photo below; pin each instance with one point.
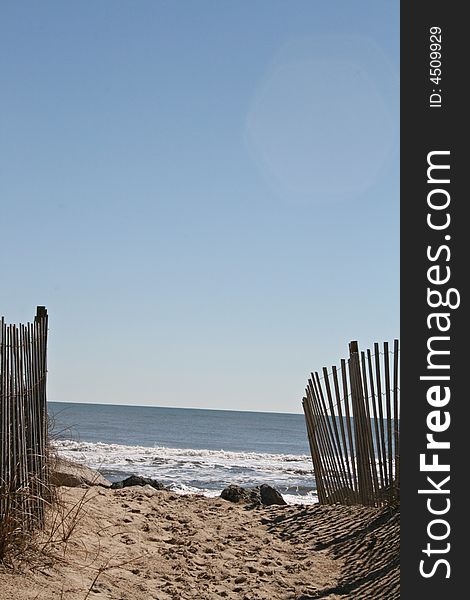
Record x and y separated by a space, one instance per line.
360 426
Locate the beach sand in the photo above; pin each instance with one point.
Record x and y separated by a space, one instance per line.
142 544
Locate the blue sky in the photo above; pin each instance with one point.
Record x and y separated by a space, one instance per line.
205 195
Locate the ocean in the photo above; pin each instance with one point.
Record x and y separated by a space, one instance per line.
189 450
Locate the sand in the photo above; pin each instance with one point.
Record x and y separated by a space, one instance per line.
142 544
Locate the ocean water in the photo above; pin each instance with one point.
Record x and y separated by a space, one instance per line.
190 450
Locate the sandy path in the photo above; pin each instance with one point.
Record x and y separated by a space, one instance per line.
140 544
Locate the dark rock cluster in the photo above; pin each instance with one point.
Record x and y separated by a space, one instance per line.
137 480
263 494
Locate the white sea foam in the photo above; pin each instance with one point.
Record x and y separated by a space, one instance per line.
115 455
140 451
203 471
308 498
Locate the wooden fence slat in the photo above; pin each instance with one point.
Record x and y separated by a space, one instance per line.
388 404
396 411
364 475
368 428
375 411
349 422
381 416
341 426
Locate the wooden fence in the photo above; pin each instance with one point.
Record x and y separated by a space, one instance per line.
23 420
353 423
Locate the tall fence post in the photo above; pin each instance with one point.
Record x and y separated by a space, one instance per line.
360 427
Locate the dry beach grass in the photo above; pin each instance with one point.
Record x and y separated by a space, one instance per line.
142 544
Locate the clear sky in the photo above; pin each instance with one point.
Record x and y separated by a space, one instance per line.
205 195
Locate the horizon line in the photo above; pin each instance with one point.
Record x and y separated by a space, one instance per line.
180 407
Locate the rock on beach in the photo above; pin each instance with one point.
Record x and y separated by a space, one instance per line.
71 474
